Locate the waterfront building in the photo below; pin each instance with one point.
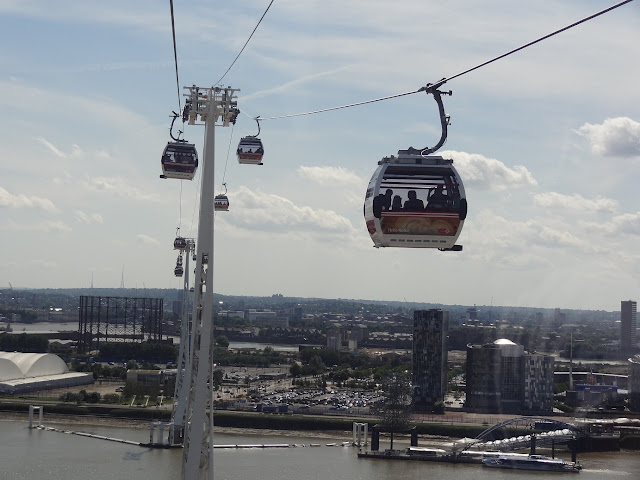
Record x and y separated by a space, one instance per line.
22 373
501 377
628 327
429 378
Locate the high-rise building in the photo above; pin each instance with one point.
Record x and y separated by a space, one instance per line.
501 377
628 327
429 377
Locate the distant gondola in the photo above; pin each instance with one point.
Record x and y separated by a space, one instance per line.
221 202
179 270
250 151
179 160
180 243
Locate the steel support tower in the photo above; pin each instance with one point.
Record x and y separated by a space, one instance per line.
184 353
204 105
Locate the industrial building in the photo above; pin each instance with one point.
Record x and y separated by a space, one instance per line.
33 372
429 360
502 378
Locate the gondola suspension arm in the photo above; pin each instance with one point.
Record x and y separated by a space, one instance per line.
432 88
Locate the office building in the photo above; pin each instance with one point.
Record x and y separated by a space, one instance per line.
502 378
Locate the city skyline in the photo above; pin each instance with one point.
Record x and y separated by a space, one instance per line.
547 142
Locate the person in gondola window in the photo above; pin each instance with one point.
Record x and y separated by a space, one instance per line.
414 203
437 199
397 203
382 203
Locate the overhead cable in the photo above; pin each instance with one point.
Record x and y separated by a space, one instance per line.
245 43
175 53
444 80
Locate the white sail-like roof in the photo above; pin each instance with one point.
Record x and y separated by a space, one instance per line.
14 365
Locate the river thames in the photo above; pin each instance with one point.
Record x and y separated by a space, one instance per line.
48 455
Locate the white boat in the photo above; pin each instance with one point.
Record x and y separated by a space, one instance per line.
531 462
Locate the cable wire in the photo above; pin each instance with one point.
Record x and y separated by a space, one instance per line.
591 17
175 53
245 43
224 174
444 80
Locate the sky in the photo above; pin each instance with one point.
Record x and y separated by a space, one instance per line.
547 142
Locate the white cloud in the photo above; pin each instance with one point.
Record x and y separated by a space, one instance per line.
575 202
615 137
273 213
147 240
88 218
120 188
46 226
627 223
331 176
489 173
26 201
51 147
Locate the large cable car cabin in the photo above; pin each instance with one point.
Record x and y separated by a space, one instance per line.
415 201
250 151
179 160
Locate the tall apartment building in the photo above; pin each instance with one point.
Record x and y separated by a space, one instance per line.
429 376
501 377
628 327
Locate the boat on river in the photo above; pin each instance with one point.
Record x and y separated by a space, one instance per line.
531 462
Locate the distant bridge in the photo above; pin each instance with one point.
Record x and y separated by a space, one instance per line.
519 433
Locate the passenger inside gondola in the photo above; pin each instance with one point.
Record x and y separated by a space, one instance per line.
414 203
397 203
437 199
382 203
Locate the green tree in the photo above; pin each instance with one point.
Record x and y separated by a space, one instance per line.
395 414
222 341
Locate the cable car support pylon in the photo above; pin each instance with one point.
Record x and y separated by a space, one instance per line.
206 106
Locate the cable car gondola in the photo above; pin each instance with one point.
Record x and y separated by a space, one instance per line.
180 243
221 202
417 200
179 159
179 270
250 150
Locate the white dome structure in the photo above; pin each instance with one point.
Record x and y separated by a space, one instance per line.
28 372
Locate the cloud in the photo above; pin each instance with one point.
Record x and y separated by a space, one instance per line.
51 147
23 201
147 240
575 202
328 176
615 137
627 223
489 173
273 213
87 218
119 188
47 226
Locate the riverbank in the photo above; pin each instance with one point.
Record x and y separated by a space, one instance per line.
228 420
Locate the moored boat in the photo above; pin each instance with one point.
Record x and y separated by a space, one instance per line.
531 462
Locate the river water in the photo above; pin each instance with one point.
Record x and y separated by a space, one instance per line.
48 455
